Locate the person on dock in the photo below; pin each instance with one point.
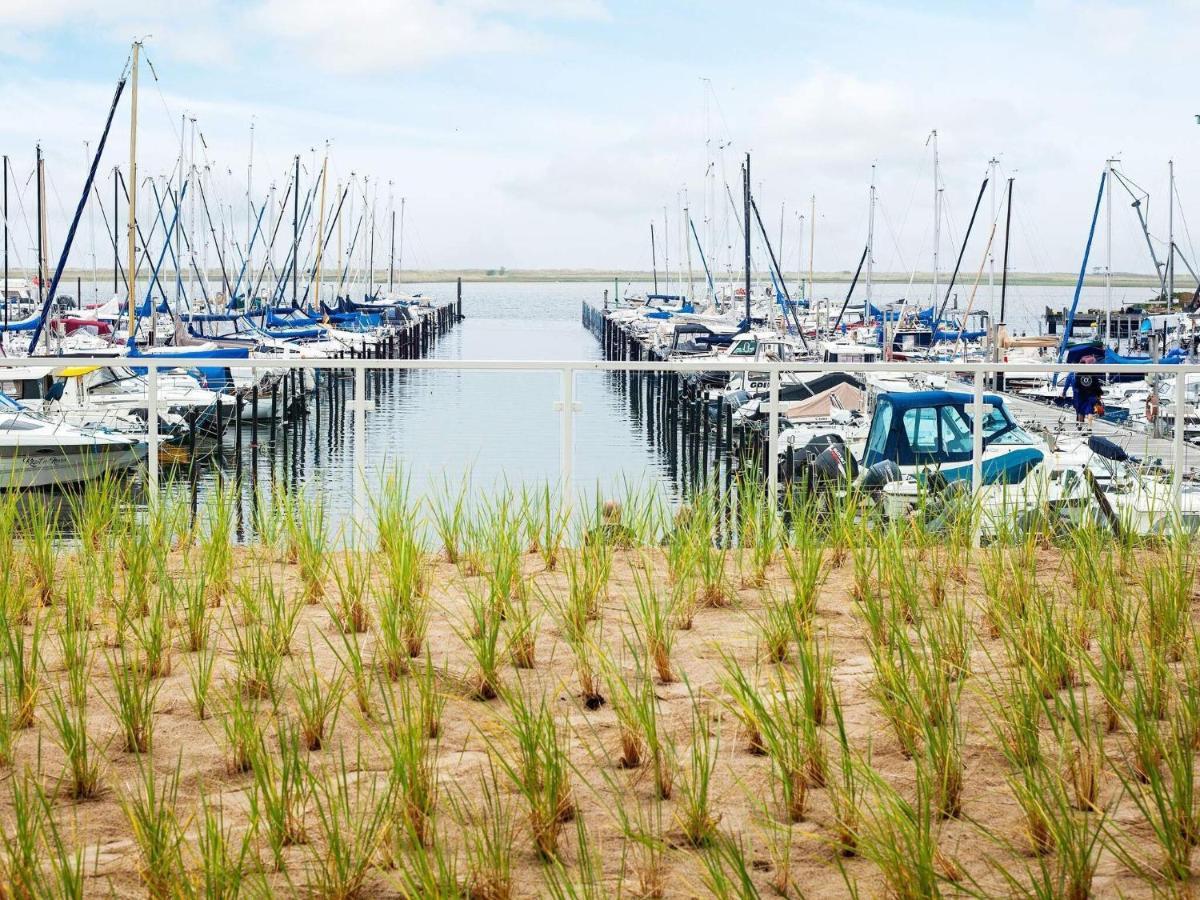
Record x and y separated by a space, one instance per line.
1087 391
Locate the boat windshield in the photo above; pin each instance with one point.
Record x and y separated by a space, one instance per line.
744 347
999 428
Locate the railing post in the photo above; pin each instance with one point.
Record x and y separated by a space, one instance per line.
772 436
360 443
152 429
1177 442
567 407
977 450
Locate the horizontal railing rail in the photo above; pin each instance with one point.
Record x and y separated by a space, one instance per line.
974 372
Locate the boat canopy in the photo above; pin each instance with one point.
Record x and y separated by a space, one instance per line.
934 428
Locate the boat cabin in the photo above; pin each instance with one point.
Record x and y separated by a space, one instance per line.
933 429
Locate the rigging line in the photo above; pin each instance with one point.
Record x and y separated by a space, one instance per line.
1183 217
1129 185
161 96
20 195
912 196
892 233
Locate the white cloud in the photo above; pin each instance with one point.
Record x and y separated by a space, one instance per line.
377 36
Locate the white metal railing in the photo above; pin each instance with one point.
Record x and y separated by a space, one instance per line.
567 406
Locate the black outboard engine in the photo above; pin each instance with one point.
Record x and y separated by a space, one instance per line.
820 464
883 472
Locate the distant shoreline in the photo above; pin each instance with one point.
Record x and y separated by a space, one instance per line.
604 276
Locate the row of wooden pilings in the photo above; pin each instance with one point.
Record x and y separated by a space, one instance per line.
693 433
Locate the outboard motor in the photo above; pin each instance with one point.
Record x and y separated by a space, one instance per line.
821 463
883 472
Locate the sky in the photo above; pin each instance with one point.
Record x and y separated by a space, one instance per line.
551 133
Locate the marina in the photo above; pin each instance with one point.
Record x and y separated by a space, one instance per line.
386 511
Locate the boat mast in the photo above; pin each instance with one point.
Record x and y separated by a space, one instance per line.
41 225
1108 255
249 264
131 230
371 252
296 235
871 235
666 252
653 257
800 258
320 232
1170 232
392 251
746 220
992 163
5 248
687 218
1004 265
116 234
812 245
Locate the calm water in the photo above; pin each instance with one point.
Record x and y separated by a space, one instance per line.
500 428
441 427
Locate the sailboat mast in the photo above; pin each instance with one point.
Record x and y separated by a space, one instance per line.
296 235
871 236
1108 257
6 243
392 251
653 258
666 252
371 253
812 245
320 232
249 264
800 258
1004 265
746 220
687 218
41 224
131 230
116 234
992 163
1170 233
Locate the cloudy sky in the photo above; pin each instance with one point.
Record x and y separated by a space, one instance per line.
549 133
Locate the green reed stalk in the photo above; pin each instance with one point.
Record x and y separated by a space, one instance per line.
489 839
69 717
224 859
318 701
353 577
352 815
153 818
412 765
282 786
694 814
539 769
